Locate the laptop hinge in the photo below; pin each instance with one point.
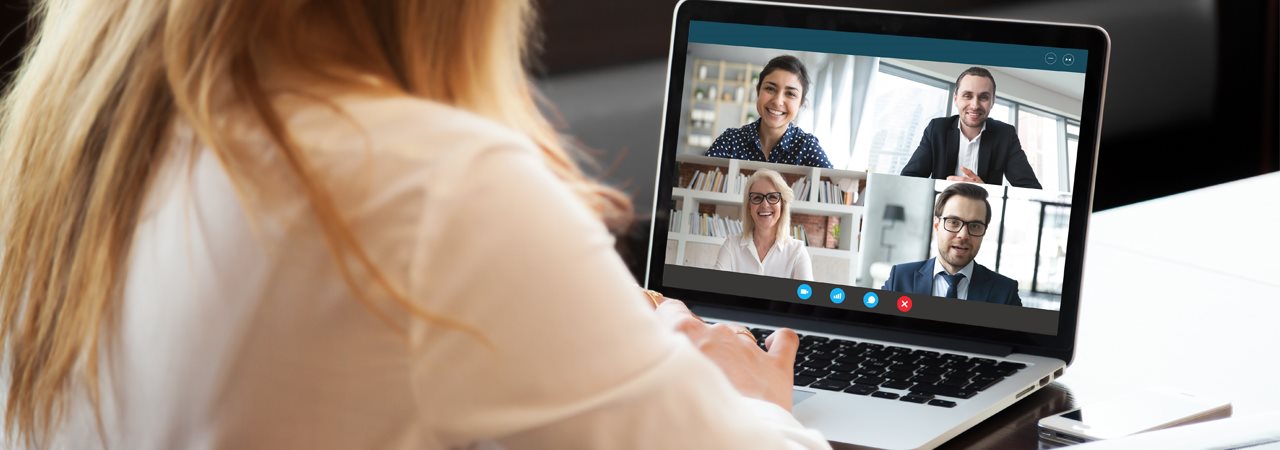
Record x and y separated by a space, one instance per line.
856 331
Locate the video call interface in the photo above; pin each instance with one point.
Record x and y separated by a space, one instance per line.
898 179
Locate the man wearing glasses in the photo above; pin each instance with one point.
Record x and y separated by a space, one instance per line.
960 219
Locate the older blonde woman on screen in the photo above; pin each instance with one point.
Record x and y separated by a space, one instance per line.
279 224
765 246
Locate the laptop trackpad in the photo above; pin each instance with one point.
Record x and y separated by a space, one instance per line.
798 396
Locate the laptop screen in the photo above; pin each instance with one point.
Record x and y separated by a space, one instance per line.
868 167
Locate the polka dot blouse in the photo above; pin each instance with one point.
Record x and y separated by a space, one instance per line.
796 147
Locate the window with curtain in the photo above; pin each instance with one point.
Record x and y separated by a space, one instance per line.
1053 249
1073 142
1038 132
903 98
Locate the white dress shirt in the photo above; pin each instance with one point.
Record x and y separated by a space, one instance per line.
968 156
940 283
786 259
236 329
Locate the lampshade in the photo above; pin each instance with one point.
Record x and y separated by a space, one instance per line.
894 213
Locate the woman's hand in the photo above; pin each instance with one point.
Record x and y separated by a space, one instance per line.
755 373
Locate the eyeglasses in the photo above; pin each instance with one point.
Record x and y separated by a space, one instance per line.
954 225
772 197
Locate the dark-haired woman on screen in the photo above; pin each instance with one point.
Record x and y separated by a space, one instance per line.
780 93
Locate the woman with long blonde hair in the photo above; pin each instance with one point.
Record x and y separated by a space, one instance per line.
766 246
331 224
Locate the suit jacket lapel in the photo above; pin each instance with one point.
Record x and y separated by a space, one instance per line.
985 147
924 278
980 285
951 156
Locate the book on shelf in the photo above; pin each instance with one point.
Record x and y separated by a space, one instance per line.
801 189
714 180
797 231
714 225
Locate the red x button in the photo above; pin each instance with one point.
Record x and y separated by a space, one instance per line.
904 303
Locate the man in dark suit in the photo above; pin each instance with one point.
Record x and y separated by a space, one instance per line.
960 219
970 146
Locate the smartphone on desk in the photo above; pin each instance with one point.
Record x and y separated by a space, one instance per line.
1131 413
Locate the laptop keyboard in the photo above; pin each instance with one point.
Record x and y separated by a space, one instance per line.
892 372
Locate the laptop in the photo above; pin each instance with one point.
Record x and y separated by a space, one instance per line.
894 112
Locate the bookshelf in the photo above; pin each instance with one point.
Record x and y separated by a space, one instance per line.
722 95
706 211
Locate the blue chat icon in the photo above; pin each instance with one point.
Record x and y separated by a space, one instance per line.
871 300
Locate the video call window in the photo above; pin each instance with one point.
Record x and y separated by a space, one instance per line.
842 132
1032 248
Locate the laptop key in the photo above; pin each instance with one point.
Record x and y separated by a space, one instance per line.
1011 365
848 359
811 340
1004 371
914 398
844 342
815 364
816 373
933 371
846 377
868 373
899 375
886 395
830 385
873 381
869 346
829 347
943 403
895 384
982 383
861 389
825 356
839 367
926 378
944 391
802 380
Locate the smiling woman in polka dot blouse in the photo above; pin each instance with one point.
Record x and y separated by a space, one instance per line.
780 91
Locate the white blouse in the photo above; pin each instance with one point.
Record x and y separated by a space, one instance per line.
786 259
240 333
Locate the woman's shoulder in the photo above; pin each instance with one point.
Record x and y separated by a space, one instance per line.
796 245
398 125
803 136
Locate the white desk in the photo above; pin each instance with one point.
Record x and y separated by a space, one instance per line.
1180 292
1184 291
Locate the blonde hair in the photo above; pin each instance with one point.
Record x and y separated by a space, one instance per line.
784 218
89 115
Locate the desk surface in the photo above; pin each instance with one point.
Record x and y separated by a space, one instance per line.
1180 292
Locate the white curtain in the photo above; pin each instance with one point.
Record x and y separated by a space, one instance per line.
838 97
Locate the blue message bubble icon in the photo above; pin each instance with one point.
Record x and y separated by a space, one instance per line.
871 300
